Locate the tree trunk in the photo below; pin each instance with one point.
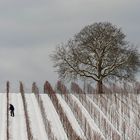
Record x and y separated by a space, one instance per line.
100 87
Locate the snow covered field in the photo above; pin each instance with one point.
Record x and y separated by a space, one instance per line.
3 120
87 117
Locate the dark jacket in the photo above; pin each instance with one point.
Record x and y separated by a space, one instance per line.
11 107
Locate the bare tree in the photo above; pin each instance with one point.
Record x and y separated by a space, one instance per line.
99 52
35 88
7 86
21 88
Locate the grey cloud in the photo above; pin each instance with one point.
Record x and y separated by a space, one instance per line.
30 30
28 65
36 22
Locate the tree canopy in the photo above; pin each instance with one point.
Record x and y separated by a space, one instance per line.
99 51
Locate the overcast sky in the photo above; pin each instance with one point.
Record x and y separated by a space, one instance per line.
31 29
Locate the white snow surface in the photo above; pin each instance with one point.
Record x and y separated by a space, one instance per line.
17 124
37 126
101 112
3 116
53 117
71 117
87 116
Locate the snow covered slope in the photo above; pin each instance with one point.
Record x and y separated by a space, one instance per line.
37 126
54 119
88 117
3 112
17 125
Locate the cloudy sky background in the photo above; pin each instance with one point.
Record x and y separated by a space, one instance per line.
31 29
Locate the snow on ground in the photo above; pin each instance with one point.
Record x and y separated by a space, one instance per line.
17 124
101 112
87 116
3 116
37 126
53 117
71 117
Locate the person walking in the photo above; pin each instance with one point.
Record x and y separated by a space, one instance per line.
12 110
